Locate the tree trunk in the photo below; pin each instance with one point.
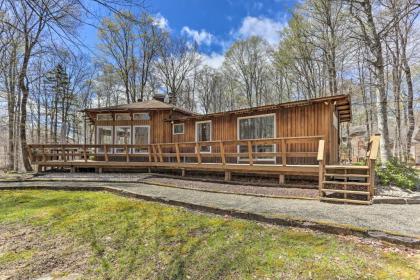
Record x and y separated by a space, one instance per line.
23 144
410 96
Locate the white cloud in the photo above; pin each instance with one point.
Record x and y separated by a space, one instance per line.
200 37
263 27
214 60
161 21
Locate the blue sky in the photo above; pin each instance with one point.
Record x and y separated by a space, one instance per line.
215 24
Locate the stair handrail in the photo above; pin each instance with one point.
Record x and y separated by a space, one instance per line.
321 145
373 149
320 158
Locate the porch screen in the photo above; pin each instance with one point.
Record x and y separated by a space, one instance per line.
259 127
141 137
122 137
104 135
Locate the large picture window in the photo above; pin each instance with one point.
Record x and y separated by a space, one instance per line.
141 137
203 133
257 127
103 136
122 137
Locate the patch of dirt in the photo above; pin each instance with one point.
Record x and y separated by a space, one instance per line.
239 189
39 256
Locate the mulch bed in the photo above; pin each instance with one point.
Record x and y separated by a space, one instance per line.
235 188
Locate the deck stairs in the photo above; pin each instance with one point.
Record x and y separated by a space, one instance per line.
349 183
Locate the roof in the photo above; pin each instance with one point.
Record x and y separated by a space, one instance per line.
342 103
144 105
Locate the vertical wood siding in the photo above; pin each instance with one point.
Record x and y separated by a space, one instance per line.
305 120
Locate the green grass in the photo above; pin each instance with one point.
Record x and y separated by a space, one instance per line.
132 239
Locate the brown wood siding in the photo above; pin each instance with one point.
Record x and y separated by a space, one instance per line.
314 119
308 120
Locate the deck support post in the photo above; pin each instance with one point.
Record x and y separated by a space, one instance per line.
98 170
281 179
183 172
39 168
73 169
228 176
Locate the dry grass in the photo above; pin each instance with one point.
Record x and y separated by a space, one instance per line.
100 235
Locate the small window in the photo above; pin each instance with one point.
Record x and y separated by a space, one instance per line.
104 117
178 128
122 117
141 116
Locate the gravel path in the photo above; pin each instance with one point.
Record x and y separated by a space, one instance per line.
404 219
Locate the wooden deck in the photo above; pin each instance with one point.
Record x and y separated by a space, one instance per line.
237 156
294 156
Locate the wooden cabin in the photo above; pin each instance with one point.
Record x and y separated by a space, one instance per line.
299 138
154 121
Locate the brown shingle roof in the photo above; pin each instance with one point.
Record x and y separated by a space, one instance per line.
342 103
144 105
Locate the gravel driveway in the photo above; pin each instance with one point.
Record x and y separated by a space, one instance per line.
403 219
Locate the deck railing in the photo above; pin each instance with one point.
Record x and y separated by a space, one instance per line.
276 151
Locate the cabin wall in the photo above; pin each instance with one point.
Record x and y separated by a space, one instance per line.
316 119
308 120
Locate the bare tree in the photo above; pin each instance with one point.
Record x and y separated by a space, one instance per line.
176 62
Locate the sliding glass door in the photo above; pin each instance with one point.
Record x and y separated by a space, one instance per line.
203 133
141 137
103 136
122 137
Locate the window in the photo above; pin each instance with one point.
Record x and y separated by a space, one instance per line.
104 136
178 128
203 133
122 137
104 117
141 137
141 116
257 127
122 117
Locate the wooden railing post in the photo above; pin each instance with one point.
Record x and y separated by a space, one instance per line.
320 159
222 153
127 156
149 150
373 155
44 157
283 152
63 154
198 152
178 158
154 153
106 152
251 160
84 153
160 152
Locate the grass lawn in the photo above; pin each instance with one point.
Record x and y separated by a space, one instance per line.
100 235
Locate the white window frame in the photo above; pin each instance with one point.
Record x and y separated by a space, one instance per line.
180 133
144 113
104 115
97 137
211 134
115 135
133 137
238 135
122 114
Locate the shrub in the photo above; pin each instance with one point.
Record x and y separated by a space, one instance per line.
397 173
